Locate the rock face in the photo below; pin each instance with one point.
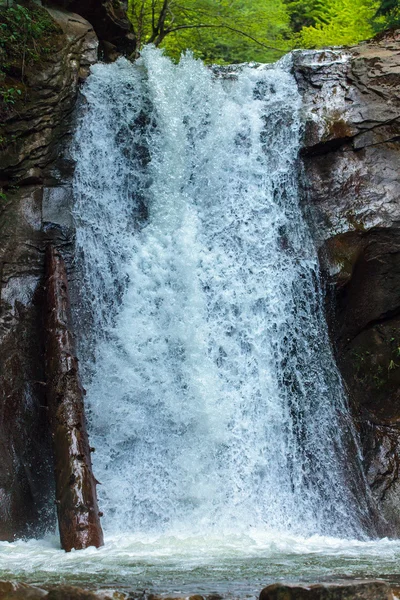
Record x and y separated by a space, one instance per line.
352 174
109 21
36 181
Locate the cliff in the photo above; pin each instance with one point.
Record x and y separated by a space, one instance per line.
34 209
352 196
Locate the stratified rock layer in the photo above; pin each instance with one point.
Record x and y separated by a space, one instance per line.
352 169
35 173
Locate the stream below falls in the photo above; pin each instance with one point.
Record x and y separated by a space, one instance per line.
224 444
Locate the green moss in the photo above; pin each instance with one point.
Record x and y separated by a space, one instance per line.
27 36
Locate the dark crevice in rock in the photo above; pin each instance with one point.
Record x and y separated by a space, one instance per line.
326 147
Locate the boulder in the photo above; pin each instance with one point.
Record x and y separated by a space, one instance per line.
10 590
367 590
109 20
69 592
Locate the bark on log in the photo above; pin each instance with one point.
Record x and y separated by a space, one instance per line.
77 510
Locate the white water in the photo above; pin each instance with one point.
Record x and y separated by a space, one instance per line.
238 565
215 404
222 435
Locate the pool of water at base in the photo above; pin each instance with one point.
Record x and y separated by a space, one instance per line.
232 565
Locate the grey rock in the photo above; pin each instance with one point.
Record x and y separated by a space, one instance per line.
352 198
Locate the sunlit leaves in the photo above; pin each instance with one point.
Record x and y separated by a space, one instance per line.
215 30
229 31
340 22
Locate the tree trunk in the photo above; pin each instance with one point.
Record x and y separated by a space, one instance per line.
77 510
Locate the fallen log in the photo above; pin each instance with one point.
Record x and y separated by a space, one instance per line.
77 510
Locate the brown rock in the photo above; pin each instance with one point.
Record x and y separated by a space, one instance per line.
368 590
69 592
10 590
32 162
108 18
33 133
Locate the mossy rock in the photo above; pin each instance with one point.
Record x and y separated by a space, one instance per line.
28 36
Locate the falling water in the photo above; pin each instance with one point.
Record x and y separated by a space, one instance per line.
214 402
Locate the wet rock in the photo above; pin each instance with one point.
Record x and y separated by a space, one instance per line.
109 20
25 470
68 592
77 510
32 134
351 157
10 590
34 164
368 590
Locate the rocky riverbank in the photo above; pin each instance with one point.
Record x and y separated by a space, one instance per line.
364 590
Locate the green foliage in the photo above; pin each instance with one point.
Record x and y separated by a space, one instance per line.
302 13
387 6
340 22
239 32
229 31
223 31
390 9
10 95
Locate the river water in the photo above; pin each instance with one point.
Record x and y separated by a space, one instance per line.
238 566
224 445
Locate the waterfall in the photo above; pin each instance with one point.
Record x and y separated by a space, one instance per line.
213 398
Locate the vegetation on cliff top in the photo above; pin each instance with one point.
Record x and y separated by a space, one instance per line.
228 31
27 35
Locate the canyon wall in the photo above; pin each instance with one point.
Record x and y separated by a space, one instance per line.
35 208
352 196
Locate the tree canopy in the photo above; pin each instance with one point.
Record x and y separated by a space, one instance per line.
390 9
228 31
340 22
